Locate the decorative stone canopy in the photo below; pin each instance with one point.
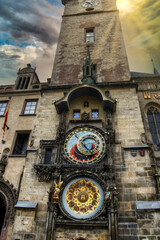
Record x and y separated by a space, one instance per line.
84 90
27 69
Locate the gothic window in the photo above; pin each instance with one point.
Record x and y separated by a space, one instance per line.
3 106
89 35
76 114
21 143
154 124
95 113
48 155
30 107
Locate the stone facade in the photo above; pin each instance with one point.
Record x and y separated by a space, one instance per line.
114 110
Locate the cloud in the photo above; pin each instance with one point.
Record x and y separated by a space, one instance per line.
28 20
4 56
29 34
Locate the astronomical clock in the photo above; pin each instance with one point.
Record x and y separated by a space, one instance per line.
83 197
84 145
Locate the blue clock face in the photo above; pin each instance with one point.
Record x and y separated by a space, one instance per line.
84 146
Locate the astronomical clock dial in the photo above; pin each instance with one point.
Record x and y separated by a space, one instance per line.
89 3
84 146
82 198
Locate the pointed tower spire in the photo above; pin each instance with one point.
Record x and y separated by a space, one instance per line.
155 71
88 69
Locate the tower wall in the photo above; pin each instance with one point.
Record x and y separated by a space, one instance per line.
107 51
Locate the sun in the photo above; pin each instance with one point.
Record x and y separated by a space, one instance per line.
127 6
124 6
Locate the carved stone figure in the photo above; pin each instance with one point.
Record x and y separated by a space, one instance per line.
57 191
107 195
85 116
50 193
115 198
4 160
60 133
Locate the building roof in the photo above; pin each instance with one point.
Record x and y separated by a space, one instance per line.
144 75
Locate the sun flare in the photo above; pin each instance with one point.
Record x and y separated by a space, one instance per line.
127 6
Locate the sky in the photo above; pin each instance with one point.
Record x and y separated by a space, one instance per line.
29 33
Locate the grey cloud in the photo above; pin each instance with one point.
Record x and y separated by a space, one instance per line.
25 20
4 56
14 56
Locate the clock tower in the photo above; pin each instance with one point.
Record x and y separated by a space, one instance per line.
93 22
80 154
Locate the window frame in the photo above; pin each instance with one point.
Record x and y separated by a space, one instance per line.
2 102
15 140
48 149
85 37
24 107
95 111
77 110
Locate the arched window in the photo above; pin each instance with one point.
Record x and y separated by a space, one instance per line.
154 124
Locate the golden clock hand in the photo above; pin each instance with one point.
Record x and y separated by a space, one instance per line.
84 146
76 136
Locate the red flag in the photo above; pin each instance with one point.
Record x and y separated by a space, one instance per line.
5 120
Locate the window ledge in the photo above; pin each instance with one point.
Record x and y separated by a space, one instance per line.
17 156
90 120
24 115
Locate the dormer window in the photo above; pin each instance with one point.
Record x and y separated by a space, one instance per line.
23 82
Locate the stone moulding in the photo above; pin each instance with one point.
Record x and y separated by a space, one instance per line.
48 172
154 205
136 147
24 204
9 196
48 143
